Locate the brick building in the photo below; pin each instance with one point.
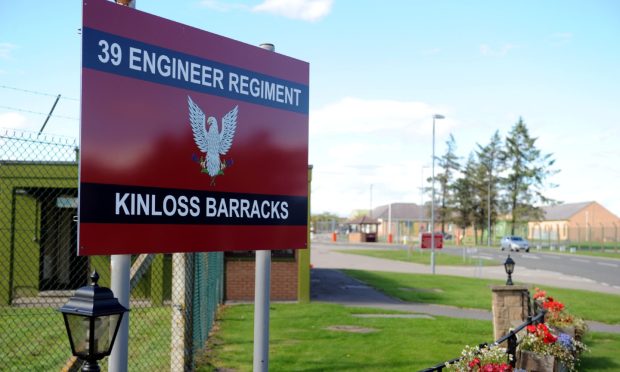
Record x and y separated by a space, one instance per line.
586 221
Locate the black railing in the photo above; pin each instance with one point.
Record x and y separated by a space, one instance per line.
510 338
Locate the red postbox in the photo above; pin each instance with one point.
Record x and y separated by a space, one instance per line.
425 242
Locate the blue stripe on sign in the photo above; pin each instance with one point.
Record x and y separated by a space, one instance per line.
114 54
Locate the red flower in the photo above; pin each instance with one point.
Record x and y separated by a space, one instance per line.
553 306
539 294
494 367
542 327
474 363
531 328
549 338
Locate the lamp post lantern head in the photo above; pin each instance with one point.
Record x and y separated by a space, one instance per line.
92 318
438 116
509 266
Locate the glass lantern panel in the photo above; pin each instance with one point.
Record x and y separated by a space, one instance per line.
104 332
79 330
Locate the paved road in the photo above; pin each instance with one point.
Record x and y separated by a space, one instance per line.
329 284
323 255
602 270
556 270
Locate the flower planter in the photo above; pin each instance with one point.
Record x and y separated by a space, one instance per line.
533 362
569 330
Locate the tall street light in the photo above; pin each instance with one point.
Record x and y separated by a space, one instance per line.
436 116
422 214
489 208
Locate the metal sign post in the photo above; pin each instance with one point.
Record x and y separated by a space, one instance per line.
262 285
120 267
189 142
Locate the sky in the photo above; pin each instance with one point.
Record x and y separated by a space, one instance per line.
379 71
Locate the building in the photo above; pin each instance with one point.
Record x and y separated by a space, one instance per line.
576 222
407 220
363 229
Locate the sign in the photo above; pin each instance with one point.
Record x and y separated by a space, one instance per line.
189 141
426 240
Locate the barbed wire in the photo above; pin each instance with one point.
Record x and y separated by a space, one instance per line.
38 93
37 112
31 136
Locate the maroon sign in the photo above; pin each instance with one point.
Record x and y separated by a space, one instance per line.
189 141
426 242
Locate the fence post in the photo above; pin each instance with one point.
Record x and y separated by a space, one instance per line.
511 348
615 237
180 329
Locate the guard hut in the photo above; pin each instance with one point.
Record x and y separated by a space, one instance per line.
363 229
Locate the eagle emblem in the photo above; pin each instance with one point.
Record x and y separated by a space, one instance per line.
210 140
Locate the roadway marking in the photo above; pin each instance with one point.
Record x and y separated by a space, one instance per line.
607 264
579 260
530 256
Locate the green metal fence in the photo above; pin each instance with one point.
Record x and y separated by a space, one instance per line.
39 270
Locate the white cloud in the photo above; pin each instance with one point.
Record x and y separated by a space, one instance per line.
12 120
220 6
358 116
306 10
356 142
487 50
6 50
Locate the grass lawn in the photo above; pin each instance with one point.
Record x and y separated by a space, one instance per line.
149 335
420 256
326 337
475 293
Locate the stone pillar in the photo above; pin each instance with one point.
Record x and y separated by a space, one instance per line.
510 307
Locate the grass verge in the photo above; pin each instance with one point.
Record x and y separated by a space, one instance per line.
474 293
313 337
326 337
38 339
420 256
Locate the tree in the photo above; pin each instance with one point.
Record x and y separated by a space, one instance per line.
325 222
468 192
491 158
527 172
449 163
464 200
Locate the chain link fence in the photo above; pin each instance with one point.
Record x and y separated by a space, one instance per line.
600 238
174 297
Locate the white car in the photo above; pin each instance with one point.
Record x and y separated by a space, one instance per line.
515 243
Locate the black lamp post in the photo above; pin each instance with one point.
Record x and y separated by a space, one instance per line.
92 317
509 265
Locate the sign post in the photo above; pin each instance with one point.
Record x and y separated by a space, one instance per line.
120 278
189 142
262 284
